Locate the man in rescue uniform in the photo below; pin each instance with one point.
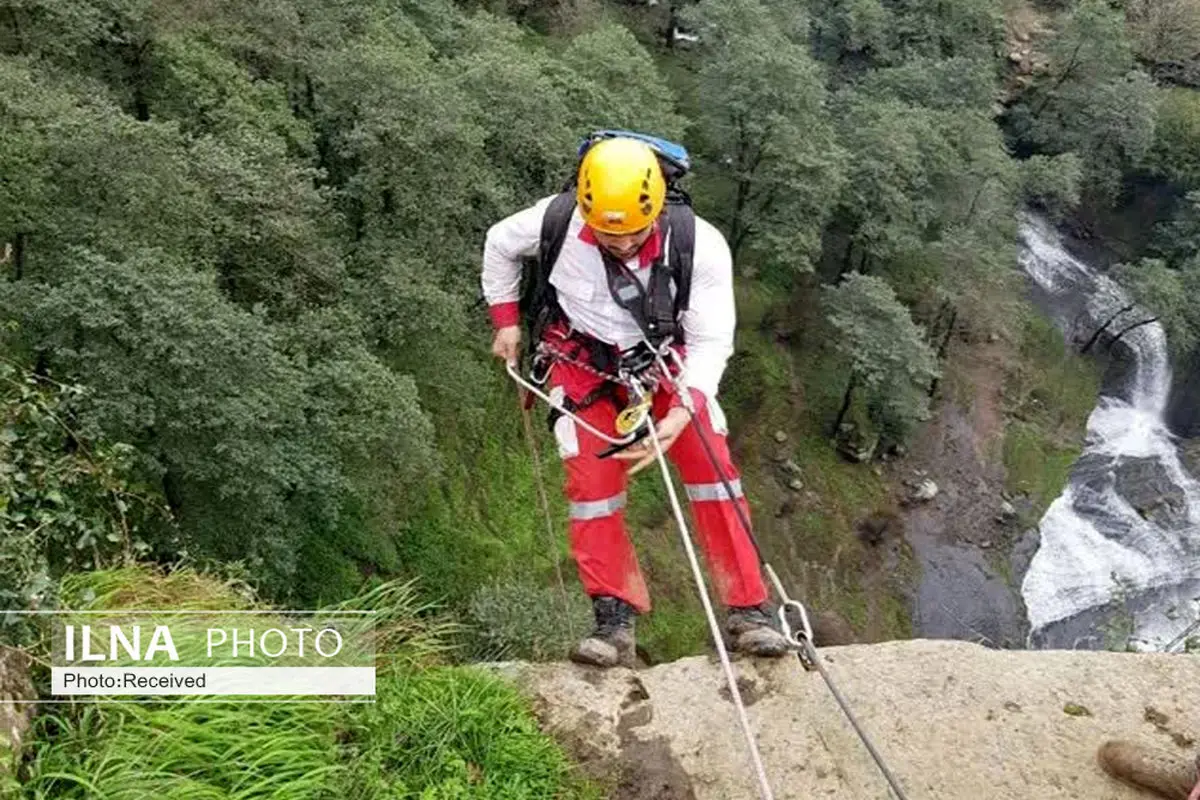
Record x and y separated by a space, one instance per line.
620 196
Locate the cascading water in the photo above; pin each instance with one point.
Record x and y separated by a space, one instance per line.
1101 557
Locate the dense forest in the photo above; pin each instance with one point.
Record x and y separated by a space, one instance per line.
240 325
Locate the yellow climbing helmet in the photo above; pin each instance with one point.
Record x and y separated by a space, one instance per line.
621 187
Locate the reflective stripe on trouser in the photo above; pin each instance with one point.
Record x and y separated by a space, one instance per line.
595 490
697 492
596 509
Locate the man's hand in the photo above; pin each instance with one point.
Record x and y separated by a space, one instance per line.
507 344
669 428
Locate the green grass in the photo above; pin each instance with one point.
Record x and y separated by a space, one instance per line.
455 732
1049 393
1035 465
675 628
435 731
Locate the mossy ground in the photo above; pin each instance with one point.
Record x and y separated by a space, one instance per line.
1049 394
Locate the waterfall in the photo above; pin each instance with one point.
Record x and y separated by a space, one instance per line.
1101 558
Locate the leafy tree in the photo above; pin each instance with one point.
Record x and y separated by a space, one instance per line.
771 162
255 432
1166 34
1168 294
888 201
887 358
1052 182
1176 151
936 83
857 34
975 286
933 29
66 502
521 98
850 31
1092 101
614 84
1178 239
407 152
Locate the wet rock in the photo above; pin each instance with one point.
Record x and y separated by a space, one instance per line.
1022 554
780 437
926 490
1145 484
1189 452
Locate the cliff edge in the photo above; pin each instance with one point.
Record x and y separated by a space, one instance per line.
955 721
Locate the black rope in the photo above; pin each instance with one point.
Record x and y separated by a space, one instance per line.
811 652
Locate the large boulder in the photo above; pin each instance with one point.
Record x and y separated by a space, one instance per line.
954 721
1147 486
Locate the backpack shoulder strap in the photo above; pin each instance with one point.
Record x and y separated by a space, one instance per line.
554 231
543 303
682 251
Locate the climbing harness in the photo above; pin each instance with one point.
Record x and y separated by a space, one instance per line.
793 617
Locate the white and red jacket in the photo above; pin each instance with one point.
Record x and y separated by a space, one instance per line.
581 282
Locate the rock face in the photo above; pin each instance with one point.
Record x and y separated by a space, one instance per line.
1183 412
1190 452
14 717
954 721
1145 485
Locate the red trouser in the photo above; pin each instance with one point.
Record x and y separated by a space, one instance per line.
595 489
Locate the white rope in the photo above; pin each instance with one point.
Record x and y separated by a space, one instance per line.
516 376
764 787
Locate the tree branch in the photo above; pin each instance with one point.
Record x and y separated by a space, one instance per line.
1117 338
1095 336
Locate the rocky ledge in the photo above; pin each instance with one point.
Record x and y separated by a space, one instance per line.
954 720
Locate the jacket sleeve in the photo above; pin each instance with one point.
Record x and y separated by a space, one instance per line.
508 241
710 319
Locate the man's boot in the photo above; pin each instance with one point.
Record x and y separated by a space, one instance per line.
752 630
612 642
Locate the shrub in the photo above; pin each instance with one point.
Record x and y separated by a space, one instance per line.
519 621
